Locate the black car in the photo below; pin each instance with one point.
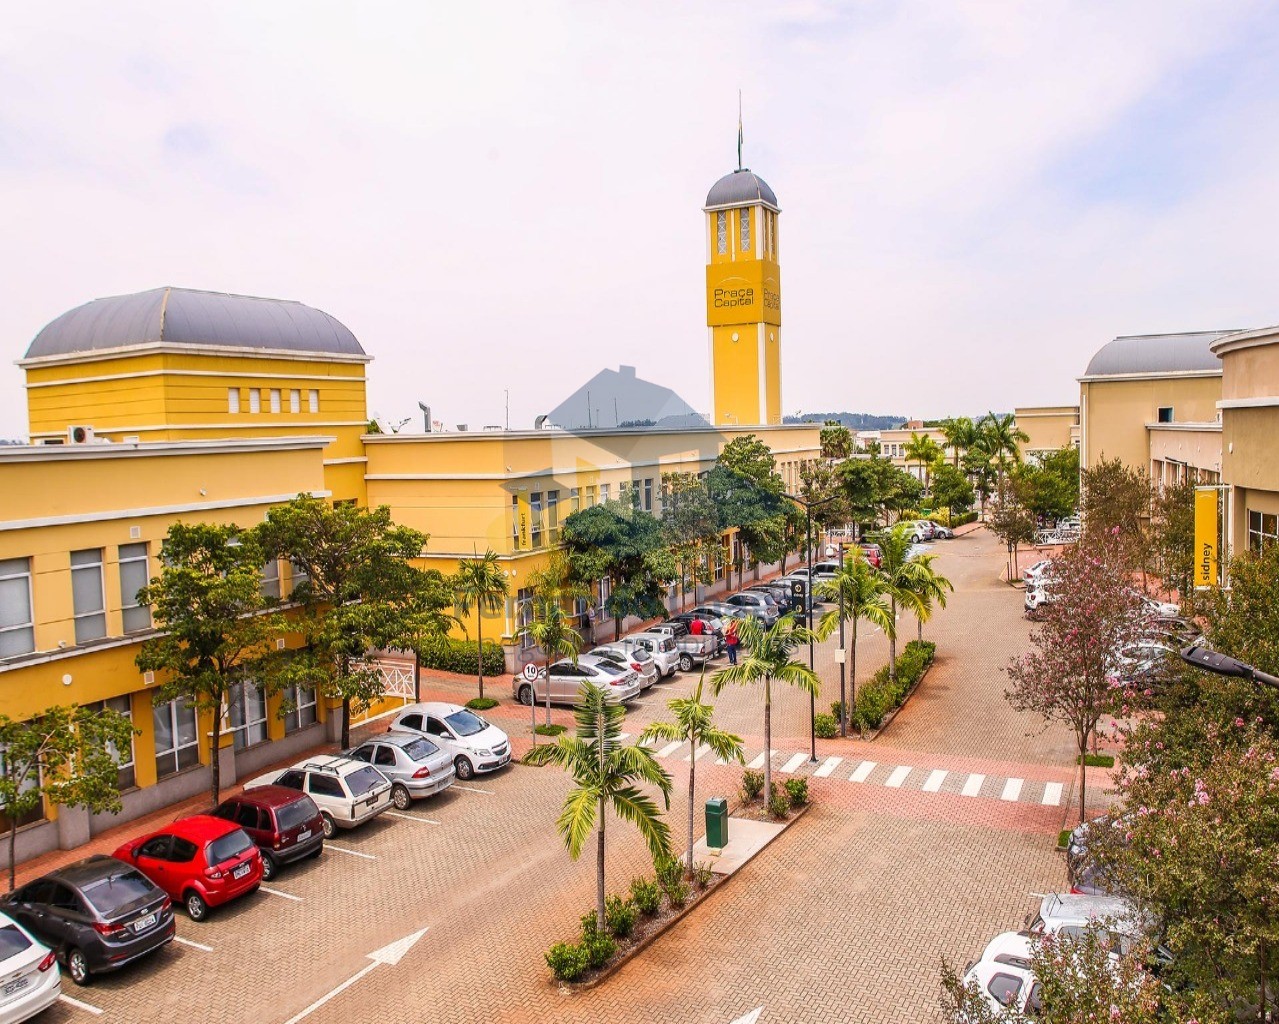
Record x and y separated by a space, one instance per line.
97 914
706 619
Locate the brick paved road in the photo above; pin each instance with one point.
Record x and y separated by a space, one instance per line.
845 918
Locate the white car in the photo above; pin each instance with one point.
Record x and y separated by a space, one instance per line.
1034 572
662 647
636 657
942 532
1072 914
29 972
1003 975
565 679
348 792
474 744
1159 609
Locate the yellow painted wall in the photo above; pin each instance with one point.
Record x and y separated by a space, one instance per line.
1049 427
1115 413
735 374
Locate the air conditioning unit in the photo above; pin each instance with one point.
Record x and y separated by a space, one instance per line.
79 435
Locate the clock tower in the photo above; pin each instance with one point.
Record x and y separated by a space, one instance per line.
743 301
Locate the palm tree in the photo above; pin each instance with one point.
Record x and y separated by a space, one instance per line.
931 587
604 773
1002 440
960 433
923 451
863 597
769 656
693 723
550 631
898 574
481 584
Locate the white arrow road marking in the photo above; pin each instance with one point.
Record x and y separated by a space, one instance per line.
935 778
193 945
1052 794
828 766
410 817
328 845
390 955
863 772
973 785
749 1018
791 766
281 893
96 1011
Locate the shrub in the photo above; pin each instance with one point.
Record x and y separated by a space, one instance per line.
459 656
778 802
567 961
590 925
702 874
752 783
826 726
619 916
878 697
548 730
481 703
797 791
836 708
646 895
678 894
670 873
599 948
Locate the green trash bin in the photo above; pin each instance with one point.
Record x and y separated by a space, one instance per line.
716 823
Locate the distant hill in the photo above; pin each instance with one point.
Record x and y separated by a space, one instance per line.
852 420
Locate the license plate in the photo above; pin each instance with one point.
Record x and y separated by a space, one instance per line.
17 985
242 870
143 923
304 835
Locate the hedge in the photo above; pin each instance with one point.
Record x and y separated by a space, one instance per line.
459 656
880 696
944 517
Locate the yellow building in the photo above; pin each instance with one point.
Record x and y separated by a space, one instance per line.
744 301
1049 428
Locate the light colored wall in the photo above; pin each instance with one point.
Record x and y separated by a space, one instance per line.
1114 413
1048 426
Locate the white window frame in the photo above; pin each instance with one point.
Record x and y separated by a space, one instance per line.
233 400
129 602
19 569
744 225
179 750
126 777
84 633
275 399
314 399
295 400
721 232
1258 536
246 711
255 400
304 705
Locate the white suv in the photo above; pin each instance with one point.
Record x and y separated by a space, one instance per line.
1004 976
474 744
348 792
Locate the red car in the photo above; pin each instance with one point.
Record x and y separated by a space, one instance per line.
872 553
200 861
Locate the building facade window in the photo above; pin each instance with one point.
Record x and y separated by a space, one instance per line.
535 517
134 575
746 230
574 500
590 495
553 517
30 817
721 232
605 492
87 596
1165 414
1263 529
301 703
524 616
125 777
255 399
177 741
271 579
314 399
275 399
648 494
17 624
248 714
232 399
295 400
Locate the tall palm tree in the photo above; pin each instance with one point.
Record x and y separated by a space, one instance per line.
481 584
960 433
605 773
694 723
863 597
923 451
550 630
931 587
1002 440
898 574
769 655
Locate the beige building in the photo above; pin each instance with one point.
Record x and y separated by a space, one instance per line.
1048 427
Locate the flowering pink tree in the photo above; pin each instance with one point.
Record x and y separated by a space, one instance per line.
1069 675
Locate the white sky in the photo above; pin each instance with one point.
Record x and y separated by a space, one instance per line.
975 196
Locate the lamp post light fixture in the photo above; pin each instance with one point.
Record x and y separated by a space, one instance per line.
1224 665
808 507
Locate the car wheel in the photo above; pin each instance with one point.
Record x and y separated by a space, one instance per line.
526 695
197 908
685 663
400 797
269 867
330 829
465 770
77 966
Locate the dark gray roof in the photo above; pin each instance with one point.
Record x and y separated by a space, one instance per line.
740 188
183 316
1156 353
613 398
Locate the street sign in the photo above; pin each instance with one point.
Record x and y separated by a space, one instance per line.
841 656
530 672
798 588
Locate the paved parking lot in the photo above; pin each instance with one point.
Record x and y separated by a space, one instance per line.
922 843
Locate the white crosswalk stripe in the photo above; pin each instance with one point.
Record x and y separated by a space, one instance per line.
669 749
1052 794
828 766
898 776
792 766
863 772
1012 790
758 763
935 778
973 785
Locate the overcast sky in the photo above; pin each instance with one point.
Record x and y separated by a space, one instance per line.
975 196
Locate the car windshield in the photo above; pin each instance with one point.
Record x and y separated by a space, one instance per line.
108 895
611 668
12 941
420 749
299 812
230 845
466 724
364 780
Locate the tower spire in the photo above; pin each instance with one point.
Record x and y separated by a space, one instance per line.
739 129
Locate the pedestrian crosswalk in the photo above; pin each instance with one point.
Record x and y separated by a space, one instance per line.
942 781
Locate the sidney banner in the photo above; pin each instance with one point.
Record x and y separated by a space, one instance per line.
1206 540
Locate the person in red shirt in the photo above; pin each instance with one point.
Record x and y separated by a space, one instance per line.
697 627
731 641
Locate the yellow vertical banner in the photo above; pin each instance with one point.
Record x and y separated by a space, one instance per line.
1206 537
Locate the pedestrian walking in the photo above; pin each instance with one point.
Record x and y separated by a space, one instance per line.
730 640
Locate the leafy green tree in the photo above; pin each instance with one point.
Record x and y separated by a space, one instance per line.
358 590
863 597
876 490
1051 488
550 630
951 489
605 773
626 546
1116 497
480 583
769 656
900 578
924 452
1173 537
216 630
690 520
747 489
695 725
1012 522
999 439
931 587
63 755
820 488
836 440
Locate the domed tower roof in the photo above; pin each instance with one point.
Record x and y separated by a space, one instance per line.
741 188
184 316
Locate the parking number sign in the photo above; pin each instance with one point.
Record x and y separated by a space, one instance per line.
529 672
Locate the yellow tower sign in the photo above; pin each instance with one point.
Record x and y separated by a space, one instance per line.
744 301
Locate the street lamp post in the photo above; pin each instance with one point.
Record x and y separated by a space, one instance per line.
808 507
843 657
1224 665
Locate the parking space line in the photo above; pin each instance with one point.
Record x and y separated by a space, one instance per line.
898 776
863 772
96 1011
1012 790
1052 794
472 789
410 817
193 945
791 766
935 778
670 748
351 853
973 785
828 766
281 893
